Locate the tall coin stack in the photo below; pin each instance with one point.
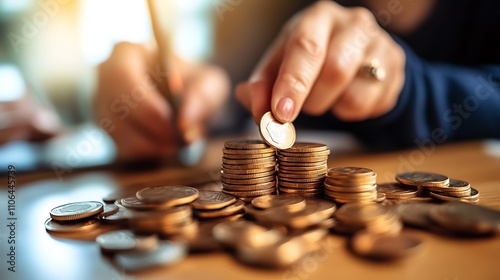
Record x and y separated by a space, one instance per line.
302 169
248 169
351 184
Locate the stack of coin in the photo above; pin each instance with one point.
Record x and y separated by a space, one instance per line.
162 209
302 169
351 184
248 169
372 217
439 186
397 191
75 217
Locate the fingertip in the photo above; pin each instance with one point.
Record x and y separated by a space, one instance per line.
284 110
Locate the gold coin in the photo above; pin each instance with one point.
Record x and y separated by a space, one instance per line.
253 187
297 154
316 176
208 200
249 181
300 191
304 173
357 213
74 226
235 234
302 164
291 169
245 144
465 193
290 202
76 210
350 171
232 209
352 180
241 194
423 179
320 159
311 214
247 176
383 246
397 190
303 147
249 156
137 204
467 218
248 171
268 150
268 165
168 216
351 189
276 134
249 161
168 195
302 180
301 185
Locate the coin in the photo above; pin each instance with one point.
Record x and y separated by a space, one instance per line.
467 218
76 210
254 187
384 246
247 233
350 171
247 176
290 202
417 214
276 134
269 159
471 198
423 179
245 144
241 194
267 150
454 186
232 209
126 240
249 181
302 159
86 225
209 200
304 147
397 190
357 213
268 165
287 153
284 253
245 171
249 156
168 195
167 253
108 210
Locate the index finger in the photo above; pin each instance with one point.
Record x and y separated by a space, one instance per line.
304 56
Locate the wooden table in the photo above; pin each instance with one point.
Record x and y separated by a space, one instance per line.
42 256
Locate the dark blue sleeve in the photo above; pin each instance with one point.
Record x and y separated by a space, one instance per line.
439 103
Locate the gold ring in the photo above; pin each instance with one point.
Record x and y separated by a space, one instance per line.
374 70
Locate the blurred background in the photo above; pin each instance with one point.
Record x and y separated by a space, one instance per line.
49 53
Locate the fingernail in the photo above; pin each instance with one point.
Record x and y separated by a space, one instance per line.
284 109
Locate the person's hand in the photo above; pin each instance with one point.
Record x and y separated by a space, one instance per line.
314 66
130 107
27 119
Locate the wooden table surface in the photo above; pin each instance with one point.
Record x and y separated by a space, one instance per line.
40 255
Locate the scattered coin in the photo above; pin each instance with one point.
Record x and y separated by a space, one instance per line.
276 134
108 210
168 195
467 218
384 246
167 253
423 179
291 202
76 210
126 240
209 200
232 209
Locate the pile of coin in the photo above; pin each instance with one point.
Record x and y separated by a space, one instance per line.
286 228
302 169
216 204
351 184
248 169
426 186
